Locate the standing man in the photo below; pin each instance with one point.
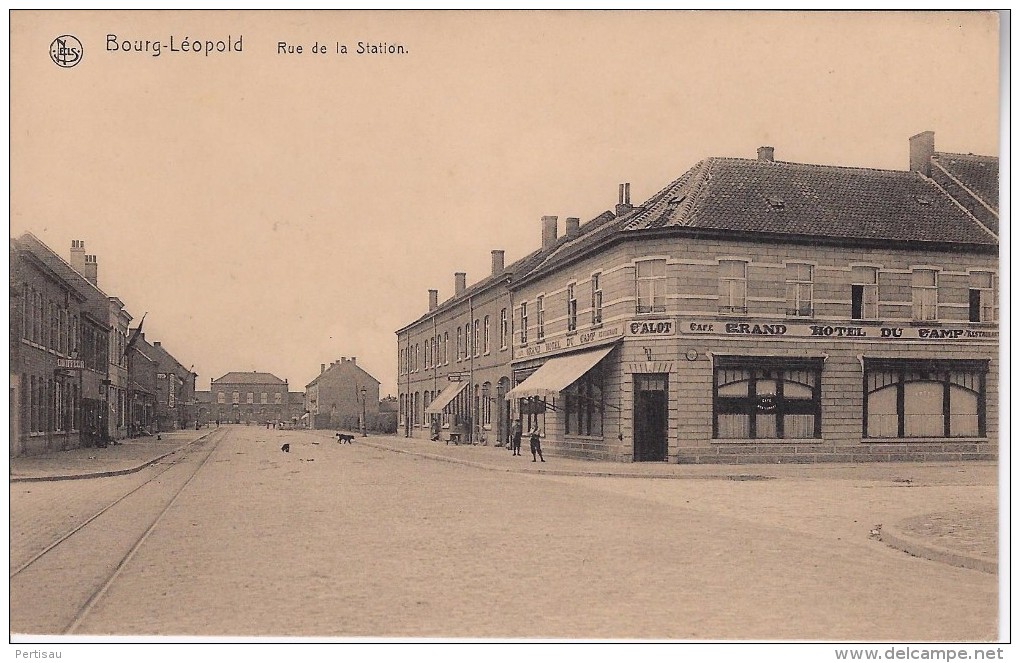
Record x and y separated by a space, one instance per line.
536 444
515 437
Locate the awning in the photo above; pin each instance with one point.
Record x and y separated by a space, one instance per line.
558 373
445 397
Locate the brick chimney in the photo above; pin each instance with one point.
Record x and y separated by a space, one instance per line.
548 231
157 344
459 282
624 205
922 149
573 226
322 369
766 153
497 263
91 270
433 299
78 255
354 360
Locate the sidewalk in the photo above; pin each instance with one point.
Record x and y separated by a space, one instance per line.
129 456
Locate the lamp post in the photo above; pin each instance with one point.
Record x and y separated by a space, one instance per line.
364 424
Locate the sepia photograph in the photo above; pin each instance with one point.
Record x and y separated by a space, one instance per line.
517 327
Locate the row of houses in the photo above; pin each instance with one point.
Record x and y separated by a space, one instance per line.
751 310
80 373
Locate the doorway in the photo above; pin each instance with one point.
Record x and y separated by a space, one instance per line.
651 416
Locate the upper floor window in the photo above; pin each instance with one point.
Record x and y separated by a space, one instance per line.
485 336
446 347
733 286
925 290
504 329
982 297
475 342
540 318
265 398
251 398
799 289
237 397
596 299
460 343
651 286
221 397
524 322
278 398
571 309
864 293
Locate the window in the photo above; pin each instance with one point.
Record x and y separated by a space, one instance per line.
596 299
278 398
221 397
982 297
524 323
504 329
485 335
417 351
651 286
571 309
265 398
799 286
475 342
864 293
733 286
446 347
237 397
911 399
460 343
767 397
924 287
250 398
539 318
583 405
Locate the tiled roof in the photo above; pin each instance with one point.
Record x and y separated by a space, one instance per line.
249 377
336 366
978 173
98 301
516 270
807 200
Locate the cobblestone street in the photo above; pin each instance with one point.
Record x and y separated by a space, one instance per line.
354 540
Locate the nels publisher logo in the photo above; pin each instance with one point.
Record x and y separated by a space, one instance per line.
66 51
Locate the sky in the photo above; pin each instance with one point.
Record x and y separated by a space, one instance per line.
275 211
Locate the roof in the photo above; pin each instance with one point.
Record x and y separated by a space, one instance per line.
98 301
167 361
980 174
807 200
249 377
516 270
334 368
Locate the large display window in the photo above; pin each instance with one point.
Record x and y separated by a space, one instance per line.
767 398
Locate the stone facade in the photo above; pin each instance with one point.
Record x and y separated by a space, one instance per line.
333 399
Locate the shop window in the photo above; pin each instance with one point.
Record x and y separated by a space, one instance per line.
933 399
924 288
767 397
571 309
597 299
733 286
864 293
982 297
651 286
583 405
799 289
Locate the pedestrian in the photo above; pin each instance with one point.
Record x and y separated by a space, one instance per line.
536 445
515 437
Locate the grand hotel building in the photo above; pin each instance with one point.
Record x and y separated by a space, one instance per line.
751 311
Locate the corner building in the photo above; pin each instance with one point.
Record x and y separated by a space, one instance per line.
764 311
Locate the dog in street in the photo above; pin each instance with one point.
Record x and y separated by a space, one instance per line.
342 438
285 447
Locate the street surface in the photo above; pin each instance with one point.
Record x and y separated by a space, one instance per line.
349 541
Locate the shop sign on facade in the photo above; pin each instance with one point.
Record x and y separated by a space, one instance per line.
863 331
573 342
651 328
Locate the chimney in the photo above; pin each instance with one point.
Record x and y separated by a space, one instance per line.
341 360
157 344
322 369
459 282
433 299
922 149
766 153
91 270
497 263
354 360
78 255
548 231
573 226
624 205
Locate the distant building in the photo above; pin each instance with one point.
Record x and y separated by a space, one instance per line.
334 399
141 390
117 390
243 397
175 390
